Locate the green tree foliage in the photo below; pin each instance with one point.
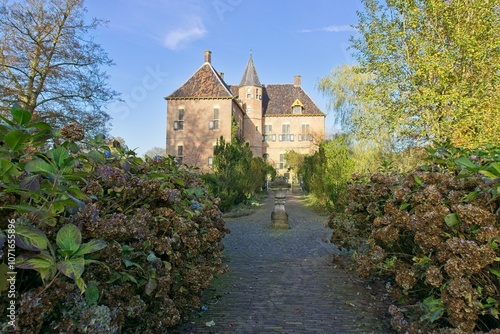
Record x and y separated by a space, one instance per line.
346 87
327 172
50 65
237 175
434 68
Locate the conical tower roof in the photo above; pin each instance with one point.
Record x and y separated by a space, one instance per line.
250 77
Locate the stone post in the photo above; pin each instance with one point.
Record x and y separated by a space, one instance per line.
279 217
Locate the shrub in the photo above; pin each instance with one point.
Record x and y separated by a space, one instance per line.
237 175
434 233
107 242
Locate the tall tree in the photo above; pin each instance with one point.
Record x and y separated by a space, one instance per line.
346 87
435 67
51 65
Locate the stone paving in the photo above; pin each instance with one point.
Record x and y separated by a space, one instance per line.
284 281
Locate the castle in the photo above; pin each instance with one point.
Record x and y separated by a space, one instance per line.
271 118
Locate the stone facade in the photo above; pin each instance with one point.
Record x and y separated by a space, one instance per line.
272 118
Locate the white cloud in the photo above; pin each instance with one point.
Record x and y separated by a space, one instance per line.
332 28
189 31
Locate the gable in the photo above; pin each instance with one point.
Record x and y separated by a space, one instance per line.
204 83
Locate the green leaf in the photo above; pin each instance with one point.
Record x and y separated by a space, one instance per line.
81 284
465 162
16 140
96 157
40 166
488 174
73 268
92 246
491 300
31 238
61 158
150 286
127 277
69 238
43 263
179 182
452 219
91 294
418 181
41 260
403 206
129 263
47 274
20 116
495 272
471 196
8 171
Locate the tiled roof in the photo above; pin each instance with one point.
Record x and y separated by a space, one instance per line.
278 100
250 77
235 89
204 83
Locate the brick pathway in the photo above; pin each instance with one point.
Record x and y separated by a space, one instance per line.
284 281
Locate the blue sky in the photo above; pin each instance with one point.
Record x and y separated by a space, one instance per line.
157 45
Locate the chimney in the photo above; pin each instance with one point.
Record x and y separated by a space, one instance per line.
208 56
296 81
221 74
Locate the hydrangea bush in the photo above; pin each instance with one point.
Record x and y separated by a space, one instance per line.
434 235
107 242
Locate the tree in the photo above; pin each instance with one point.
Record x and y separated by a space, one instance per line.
356 114
237 175
156 151
434 66
51 66
327 172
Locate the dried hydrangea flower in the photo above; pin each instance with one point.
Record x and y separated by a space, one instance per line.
73 131
433 276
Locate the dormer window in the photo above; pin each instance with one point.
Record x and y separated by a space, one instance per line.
297 107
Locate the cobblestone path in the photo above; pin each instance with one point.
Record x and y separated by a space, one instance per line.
284 281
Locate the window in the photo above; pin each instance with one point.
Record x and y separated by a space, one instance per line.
179 123
214 125
281 164
265 156
257 95
268 133
249 110
297 107
285 133
210 161
180 153
305 135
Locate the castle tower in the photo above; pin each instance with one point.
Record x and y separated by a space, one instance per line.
250 93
